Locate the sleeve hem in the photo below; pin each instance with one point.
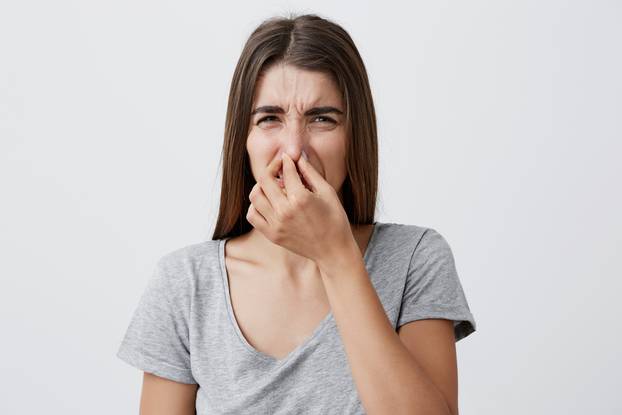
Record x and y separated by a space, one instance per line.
464 323
146 364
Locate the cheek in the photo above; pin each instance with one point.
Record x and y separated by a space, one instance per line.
259 143
332 152
335 147
253 149
260 151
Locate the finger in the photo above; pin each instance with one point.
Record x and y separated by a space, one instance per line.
256 219
292 180
261 203
274 167
270 185
313 178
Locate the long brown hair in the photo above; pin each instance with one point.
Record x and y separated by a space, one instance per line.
313 43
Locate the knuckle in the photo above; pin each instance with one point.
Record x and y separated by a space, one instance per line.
255 190
298 200
282 214
278 214
287 214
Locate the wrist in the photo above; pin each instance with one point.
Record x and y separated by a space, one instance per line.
341 258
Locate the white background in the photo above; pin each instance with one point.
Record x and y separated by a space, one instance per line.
499 126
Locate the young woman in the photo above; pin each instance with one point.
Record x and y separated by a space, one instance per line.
301 302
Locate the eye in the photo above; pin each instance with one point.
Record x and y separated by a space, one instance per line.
328 119
322 119
265 119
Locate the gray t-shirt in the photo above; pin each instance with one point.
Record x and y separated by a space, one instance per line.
184 327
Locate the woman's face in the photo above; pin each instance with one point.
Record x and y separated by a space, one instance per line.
296 110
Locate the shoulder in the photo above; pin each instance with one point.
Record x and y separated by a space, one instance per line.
432 243
431 253
184 264
404 234
418 242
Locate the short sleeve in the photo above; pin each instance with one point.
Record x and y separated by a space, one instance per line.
433 289
157 338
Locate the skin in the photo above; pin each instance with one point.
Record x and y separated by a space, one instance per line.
308 219
162 396
323 138
295 284
312 223
301 229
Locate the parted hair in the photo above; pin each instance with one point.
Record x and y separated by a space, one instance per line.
313 43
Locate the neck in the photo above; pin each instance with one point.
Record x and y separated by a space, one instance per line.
284 259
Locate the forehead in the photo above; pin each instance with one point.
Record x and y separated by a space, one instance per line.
285 84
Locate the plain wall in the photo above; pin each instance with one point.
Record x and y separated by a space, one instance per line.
499 126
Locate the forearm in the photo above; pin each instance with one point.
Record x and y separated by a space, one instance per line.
387 377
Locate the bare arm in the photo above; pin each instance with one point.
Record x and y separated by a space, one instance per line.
162 396
388 376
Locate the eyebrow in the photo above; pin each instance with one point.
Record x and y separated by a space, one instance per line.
275 109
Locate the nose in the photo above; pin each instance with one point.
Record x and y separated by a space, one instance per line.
296 155
295 145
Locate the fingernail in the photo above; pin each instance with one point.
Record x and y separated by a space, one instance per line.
304 155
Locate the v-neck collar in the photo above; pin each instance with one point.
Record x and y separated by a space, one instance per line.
316 333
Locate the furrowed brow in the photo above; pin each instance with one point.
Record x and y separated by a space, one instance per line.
274 109
323 110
